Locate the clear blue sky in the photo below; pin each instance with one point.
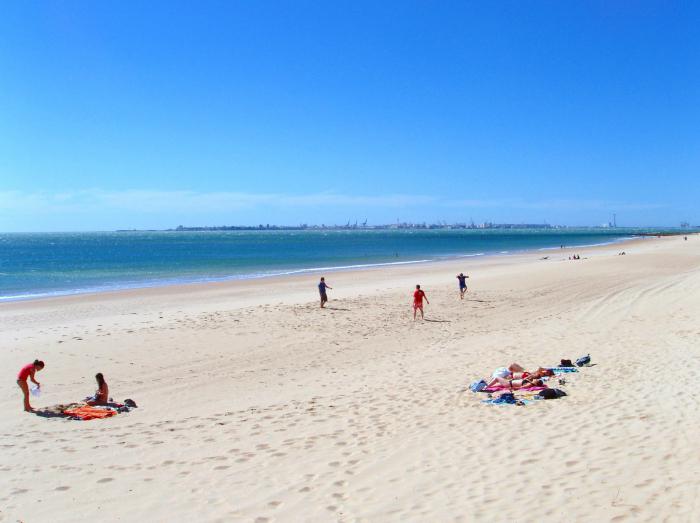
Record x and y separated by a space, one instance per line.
153 114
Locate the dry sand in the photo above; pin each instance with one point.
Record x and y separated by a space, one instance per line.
254 405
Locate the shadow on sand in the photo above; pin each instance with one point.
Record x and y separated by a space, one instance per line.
50 414
56 411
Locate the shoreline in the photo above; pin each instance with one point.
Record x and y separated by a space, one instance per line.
185 282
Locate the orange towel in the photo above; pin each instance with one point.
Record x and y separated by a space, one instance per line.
87 412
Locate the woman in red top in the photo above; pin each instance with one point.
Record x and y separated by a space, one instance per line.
28 372
418 302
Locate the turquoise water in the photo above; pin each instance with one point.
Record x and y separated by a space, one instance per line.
45 264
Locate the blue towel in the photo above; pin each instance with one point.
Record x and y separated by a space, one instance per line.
506 401
563 370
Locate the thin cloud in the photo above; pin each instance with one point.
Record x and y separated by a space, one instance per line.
556 204
153 202
164 201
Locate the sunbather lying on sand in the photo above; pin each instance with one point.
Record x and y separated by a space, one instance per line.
101 396
516 371
515 384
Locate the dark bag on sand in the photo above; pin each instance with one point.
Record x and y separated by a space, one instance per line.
551 394
478 386
566 363
583 360
506 397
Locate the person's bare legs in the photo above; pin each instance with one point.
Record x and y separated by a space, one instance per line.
414 313
25 390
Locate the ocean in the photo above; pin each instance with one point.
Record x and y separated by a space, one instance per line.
35 265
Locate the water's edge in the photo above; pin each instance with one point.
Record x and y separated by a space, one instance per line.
169 282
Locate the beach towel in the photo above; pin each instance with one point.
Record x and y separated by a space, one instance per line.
563 370
87 413
507 401
496 388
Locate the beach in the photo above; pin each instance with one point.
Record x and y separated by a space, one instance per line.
256 405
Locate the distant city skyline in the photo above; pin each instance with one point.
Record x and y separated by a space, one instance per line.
246 113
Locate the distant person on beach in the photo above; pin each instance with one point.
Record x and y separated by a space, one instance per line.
517 372
322 286
516 384
101 396
418 302
462 285
28 371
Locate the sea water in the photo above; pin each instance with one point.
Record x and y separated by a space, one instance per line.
44 264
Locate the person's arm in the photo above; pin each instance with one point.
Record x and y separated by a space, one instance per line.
31 377
426 298
329 287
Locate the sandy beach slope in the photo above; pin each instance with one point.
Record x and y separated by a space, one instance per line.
254 405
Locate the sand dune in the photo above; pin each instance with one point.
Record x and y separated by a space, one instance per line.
254 405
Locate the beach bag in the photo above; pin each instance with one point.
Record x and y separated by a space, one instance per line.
478 386
583 360
501 372
566 363
551 394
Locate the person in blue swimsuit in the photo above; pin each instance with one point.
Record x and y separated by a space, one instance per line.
322 286
462 285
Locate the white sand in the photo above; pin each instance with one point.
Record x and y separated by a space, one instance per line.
254 405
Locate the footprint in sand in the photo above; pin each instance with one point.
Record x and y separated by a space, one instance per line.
105 480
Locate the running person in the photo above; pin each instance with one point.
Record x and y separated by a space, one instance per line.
322 286
462 285
418 302
28 372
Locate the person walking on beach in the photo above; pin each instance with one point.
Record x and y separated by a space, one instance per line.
418 302
28 371
462 285
322 286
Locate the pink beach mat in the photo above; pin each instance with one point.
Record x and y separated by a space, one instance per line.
498 388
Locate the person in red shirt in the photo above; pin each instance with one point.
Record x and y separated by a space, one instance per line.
28 372
418 302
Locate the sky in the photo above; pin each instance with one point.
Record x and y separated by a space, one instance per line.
120 115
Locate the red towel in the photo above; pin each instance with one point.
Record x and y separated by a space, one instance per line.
87 412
